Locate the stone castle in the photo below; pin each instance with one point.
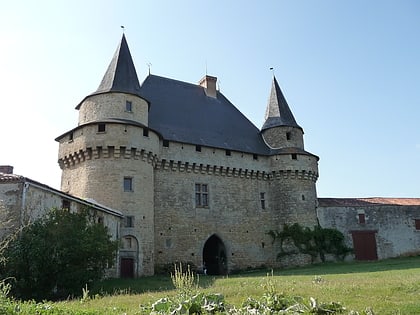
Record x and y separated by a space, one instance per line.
195 180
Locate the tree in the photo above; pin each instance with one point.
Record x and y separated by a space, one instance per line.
57 255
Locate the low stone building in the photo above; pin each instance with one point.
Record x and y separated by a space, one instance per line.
376 228
23 200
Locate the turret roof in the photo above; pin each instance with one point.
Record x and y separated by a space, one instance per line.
121 75
278 112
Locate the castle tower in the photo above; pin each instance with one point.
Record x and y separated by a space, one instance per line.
109 157
294 170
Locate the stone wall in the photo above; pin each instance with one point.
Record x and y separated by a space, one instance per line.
396 234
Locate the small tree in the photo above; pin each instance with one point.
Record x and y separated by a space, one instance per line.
57 255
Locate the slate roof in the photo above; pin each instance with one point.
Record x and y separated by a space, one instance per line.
278 112
182 112
360 202
121 75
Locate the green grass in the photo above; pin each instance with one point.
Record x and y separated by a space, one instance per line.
388 287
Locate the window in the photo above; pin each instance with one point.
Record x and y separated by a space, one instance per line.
262 200
288 135
145 132
255 156
201 195
417 224
228 153
65 204
128 106
198 148
128 184
362 218
129 221
166 143
294 156
71 136
101 127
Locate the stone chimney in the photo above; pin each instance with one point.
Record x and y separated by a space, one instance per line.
6 169
209 85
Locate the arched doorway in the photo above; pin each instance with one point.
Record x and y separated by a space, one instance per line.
214 256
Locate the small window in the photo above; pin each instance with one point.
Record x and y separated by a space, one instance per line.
417 224
255 156
294 156
262 200
303 197
71 136
228 153
101 127
65 204
198 148
362 218
129 221
288 135
128 106
145 132
128 184
166 143
201 195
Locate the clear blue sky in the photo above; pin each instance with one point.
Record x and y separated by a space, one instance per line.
350 71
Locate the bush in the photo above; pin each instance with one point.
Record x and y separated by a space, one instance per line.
57 255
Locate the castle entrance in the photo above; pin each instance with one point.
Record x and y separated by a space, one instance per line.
214 256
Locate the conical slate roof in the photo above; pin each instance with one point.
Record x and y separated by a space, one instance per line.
278 112
121 75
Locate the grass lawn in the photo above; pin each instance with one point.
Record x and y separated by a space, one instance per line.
388 287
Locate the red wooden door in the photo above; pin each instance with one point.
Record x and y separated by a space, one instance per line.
364 245
127 268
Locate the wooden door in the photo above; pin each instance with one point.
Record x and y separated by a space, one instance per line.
364 245
127 268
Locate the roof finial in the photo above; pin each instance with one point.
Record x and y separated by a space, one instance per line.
149 65
272 70
123 28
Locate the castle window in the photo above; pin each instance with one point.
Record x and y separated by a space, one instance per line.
288 135
201 195
294 156
417 224
198 148
262 200
228 153
166 143
101 127
129 221
145 132
71 136
100 220
128 106
255 156
128 184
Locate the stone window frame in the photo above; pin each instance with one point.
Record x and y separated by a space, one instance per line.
417 224
263 200
129 221
101 127
201 194
128 184
128 106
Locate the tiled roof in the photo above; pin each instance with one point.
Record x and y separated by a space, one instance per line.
5 177
360 202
